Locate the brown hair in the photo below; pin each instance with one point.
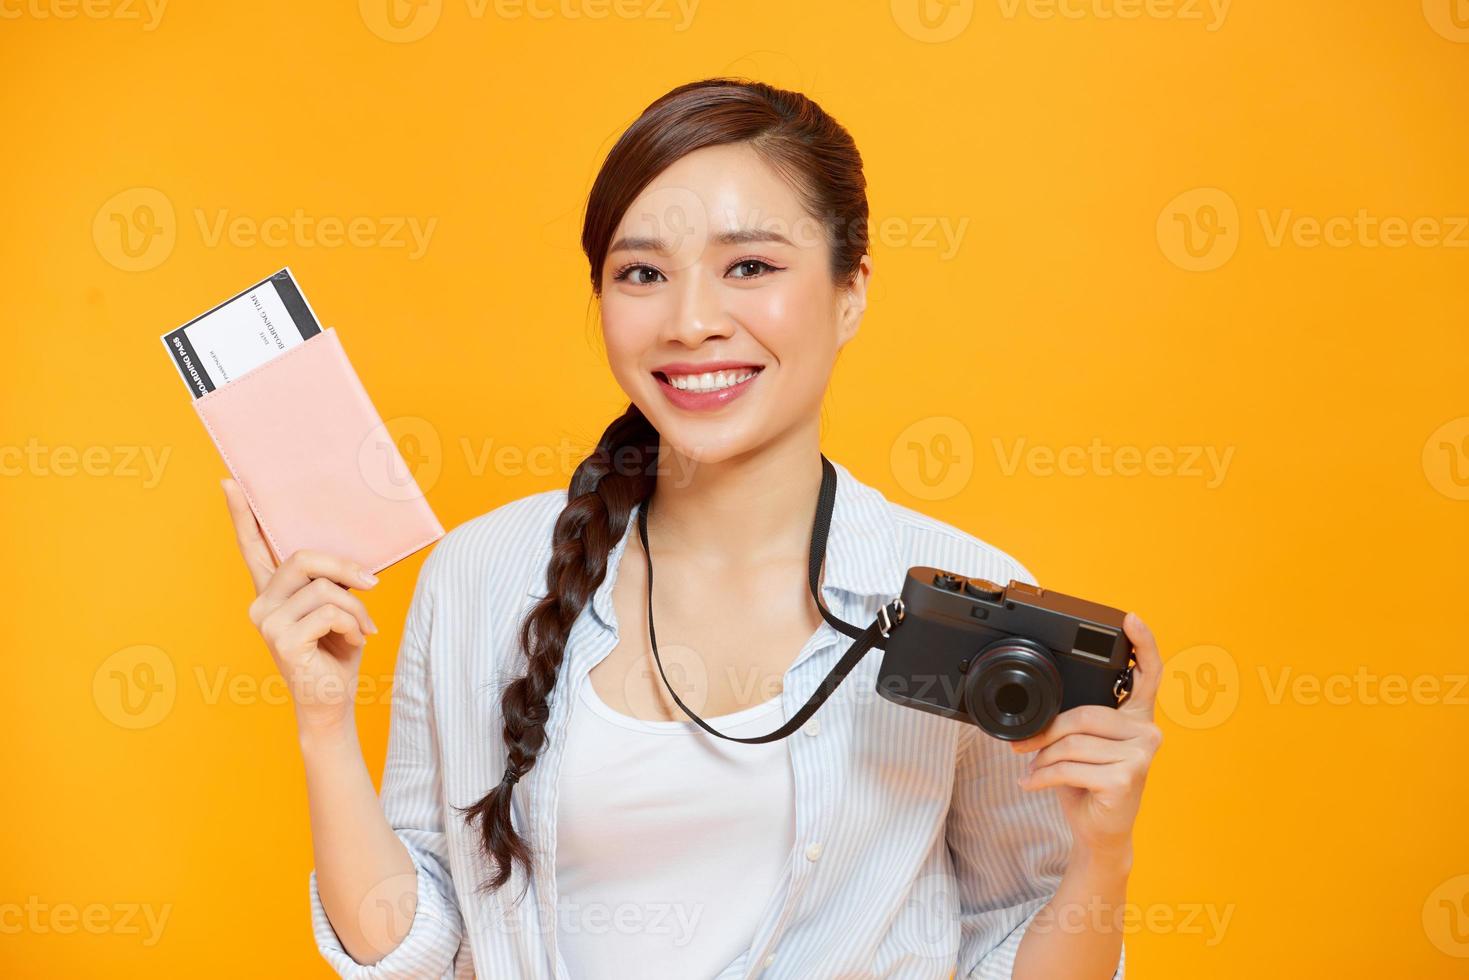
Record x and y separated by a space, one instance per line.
817 156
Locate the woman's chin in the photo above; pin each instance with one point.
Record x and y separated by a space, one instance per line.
707 444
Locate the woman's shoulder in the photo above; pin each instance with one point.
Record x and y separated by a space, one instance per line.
927 540
517 532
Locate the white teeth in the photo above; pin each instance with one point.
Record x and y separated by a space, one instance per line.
709 380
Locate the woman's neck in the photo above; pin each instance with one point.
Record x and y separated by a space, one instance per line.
747 510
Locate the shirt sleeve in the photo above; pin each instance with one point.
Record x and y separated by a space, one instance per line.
411 797
1009 849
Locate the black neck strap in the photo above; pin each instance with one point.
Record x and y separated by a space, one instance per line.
872 636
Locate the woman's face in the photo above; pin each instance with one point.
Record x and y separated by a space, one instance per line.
716 267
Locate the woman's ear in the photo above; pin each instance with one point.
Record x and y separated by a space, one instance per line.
852 302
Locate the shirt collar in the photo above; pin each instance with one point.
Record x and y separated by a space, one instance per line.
862 554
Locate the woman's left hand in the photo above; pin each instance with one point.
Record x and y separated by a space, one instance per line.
1098 756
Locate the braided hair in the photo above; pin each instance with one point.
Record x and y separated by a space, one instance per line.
607 485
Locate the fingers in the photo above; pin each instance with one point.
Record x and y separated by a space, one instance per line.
305 565
1148 673
1096 777
288 637
1089 719
1083 748
253 548
321 592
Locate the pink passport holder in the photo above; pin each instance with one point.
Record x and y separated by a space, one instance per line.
318 466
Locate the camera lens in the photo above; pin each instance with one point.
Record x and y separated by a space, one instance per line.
1013 689
1012 699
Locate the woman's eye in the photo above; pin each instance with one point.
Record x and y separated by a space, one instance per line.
633 274
646 275
748 263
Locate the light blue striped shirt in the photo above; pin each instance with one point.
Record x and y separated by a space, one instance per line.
931 860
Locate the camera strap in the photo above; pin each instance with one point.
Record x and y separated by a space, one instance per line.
866 639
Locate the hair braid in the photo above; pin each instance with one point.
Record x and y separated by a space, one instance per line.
619 474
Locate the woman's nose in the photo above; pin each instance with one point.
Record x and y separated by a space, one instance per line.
700 311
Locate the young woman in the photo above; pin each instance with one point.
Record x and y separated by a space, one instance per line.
534 749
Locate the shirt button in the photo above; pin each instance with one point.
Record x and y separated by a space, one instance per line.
769 961
813 727
813 852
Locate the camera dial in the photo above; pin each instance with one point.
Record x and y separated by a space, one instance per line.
948 580
983 588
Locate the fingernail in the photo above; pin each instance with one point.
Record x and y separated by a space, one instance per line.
367 577
371 626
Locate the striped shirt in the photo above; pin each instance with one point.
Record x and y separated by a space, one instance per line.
916 855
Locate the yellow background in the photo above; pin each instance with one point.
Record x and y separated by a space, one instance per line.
1329 552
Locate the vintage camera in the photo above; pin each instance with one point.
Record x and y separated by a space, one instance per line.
1007 659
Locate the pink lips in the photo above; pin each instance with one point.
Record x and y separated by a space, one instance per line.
704 401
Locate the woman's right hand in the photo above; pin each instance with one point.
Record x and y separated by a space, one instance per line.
315 629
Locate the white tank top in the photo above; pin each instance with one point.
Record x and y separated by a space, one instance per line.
670 843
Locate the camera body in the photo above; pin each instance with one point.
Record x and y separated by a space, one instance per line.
1006 659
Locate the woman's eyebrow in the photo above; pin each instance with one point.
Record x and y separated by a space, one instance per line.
738 236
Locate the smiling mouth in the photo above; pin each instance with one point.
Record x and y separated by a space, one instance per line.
710 381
